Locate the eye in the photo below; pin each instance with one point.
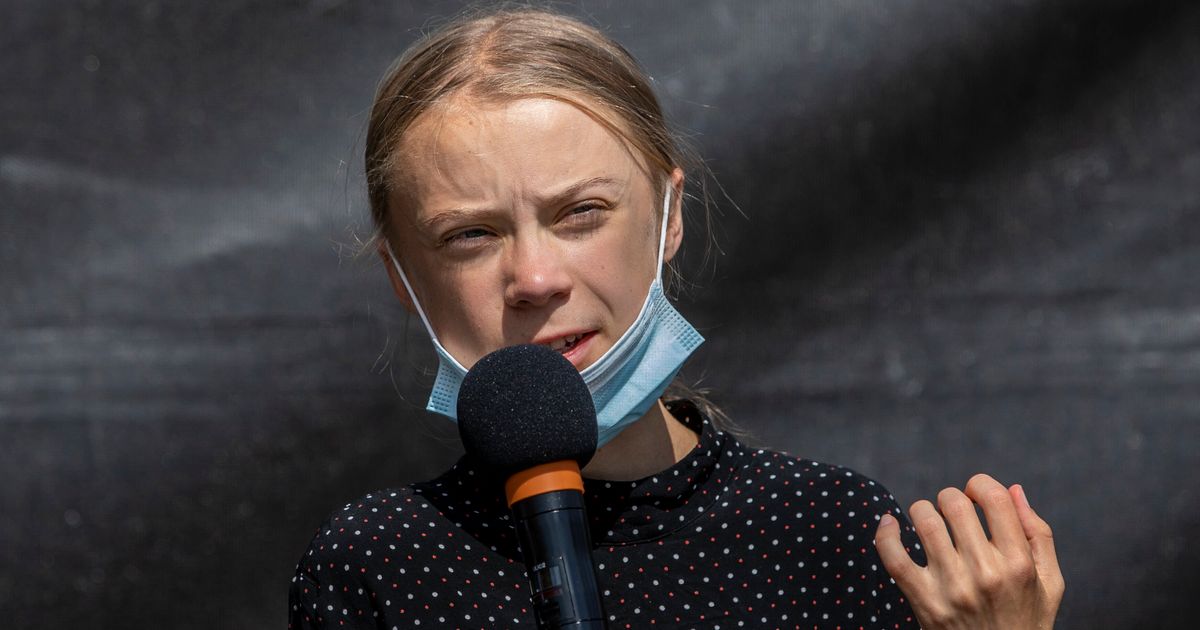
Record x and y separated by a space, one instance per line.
584 208
466 237
584 215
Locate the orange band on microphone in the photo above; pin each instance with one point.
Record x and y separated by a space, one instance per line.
543 478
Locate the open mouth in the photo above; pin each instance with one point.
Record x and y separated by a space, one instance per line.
566 344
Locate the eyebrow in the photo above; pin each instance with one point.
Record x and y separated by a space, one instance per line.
578 187
553 199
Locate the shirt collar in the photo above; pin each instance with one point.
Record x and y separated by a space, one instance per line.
620 512
623 512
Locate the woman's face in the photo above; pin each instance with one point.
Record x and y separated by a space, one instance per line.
525 222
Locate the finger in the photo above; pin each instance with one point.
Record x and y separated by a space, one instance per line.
1008 534
964 524
909 576
931 529
1041 541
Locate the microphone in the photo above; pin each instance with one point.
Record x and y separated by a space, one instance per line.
525 414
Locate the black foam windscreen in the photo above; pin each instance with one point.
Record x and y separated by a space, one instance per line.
525 405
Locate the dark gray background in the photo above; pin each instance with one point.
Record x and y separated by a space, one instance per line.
969 244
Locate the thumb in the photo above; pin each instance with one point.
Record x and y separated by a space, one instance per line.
1040 536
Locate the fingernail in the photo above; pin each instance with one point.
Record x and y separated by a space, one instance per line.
1024 499
886 520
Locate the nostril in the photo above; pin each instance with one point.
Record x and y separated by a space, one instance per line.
539 289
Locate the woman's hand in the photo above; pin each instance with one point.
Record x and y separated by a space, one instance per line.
1010 582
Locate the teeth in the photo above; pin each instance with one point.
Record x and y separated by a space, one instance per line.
558 344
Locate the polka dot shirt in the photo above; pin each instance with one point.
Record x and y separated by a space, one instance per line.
729 537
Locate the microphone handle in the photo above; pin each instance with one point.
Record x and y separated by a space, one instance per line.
553 532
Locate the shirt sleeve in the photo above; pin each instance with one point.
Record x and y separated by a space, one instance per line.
325 592
303 602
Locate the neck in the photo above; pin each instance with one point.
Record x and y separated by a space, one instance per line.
651 445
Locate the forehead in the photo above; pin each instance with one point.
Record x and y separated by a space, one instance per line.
464 151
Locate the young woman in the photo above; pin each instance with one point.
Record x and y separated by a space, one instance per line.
526 190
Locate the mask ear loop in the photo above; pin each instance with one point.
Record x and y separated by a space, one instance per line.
662 236
417 303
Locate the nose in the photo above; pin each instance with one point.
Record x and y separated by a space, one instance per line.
536 273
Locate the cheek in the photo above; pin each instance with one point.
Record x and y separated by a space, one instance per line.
459 304
473 302
622 268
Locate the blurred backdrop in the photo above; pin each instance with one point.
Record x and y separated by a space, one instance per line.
967 241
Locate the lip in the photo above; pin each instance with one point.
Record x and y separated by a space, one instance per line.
577 354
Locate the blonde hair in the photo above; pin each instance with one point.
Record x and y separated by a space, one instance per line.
507 54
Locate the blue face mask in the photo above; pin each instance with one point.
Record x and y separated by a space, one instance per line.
625 381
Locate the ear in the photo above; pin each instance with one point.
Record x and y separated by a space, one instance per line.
675 219
394 276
